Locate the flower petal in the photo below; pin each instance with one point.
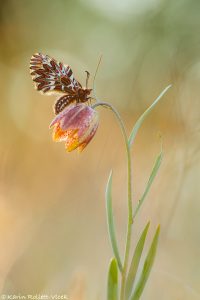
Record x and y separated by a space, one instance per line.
68 112
58 134
88 139
72 142
87 126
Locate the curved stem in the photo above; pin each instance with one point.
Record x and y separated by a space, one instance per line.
129 187
105 104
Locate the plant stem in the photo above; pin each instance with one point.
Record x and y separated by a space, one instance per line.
129 188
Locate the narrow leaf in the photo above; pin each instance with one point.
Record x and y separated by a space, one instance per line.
112 287
147 267
149 183
110 219
135 262
144 115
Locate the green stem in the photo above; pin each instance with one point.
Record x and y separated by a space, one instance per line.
129 187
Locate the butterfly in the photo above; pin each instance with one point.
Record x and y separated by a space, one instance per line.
53 77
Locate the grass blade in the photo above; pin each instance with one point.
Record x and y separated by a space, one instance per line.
147 267
112 285
135 262
144 115
110 219
150 181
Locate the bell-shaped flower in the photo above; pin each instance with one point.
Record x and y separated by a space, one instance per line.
75 125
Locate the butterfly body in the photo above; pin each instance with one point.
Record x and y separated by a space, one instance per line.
53 77
81 96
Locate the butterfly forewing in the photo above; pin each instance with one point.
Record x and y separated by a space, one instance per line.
51 76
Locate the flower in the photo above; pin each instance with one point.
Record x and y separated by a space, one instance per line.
75 125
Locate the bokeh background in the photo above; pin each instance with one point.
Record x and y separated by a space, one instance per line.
52 209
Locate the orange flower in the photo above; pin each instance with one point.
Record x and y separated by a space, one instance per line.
75 125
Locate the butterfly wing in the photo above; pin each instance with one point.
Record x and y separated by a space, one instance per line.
51 76
62 102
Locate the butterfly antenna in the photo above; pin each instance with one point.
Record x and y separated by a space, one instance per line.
87 78
95 75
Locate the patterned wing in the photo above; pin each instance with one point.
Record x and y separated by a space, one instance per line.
62 102
51 76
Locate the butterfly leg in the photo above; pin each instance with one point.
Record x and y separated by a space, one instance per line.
87 79
88 100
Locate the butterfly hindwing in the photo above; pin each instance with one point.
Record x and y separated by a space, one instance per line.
51 76
62 102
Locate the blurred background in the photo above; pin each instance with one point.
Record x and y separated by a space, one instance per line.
52 208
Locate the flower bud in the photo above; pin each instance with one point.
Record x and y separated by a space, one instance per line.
75 125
